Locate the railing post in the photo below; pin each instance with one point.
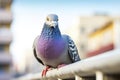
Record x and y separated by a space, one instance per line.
59 79
84 78
99 75
77 77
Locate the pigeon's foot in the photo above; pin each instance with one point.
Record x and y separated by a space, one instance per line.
61 65
45 71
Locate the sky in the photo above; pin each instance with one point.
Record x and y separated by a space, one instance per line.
29 16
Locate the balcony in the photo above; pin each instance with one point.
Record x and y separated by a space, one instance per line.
5 17
6 2
5 36
5 58
5 76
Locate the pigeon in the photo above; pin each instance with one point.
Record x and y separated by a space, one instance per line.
51 48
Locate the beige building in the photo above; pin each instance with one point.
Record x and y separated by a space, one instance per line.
5 39
98 34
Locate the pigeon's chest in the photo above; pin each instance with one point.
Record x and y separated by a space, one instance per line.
50 48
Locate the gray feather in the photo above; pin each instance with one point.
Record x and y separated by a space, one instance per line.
72 50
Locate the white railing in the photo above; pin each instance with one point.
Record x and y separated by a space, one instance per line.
95 68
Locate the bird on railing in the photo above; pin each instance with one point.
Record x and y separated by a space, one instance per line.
53 49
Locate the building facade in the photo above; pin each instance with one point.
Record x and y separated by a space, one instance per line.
5 39
99 34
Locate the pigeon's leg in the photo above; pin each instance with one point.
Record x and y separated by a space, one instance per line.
45 71
61 65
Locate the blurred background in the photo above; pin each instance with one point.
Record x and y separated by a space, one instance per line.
92 24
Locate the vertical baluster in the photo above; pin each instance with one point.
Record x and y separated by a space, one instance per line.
77 77
59 79
99 75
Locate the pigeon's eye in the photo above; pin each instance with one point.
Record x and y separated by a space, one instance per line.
47 19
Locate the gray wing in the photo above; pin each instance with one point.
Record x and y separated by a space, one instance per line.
34 50
72 50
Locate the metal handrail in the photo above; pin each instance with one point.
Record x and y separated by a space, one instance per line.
108 63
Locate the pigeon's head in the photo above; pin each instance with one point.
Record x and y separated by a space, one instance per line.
52 20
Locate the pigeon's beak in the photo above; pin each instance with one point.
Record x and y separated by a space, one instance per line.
54 24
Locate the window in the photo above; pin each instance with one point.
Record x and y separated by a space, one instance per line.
83 47
2 47
2 6
3 69
82 30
